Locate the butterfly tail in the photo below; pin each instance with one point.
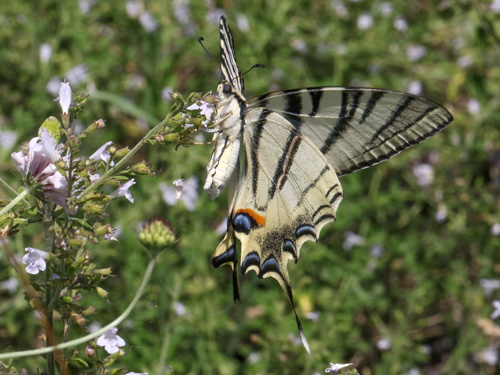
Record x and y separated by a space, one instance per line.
226 254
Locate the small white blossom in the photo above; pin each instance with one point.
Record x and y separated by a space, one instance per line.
352 239
188 192
214 15
424 173
123 191
180 308
473 106
206 109
77 74
464 61
412 371
134 8
111 341
45 53
496 313
400 24
7 139
166 93
495 6
253 357
64 97
53 86
148 22
335 367
102 153
415 52
136 373
339 8
489 286
441 213
94 327
415 87
488 355
386 8
312 315
85 6
384 344
376 251
9 285
242 23
495 230
35 260
299 45
365 21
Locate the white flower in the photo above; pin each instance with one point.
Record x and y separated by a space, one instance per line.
488 355
85 6
53 85
188 192
9 285
206 109
299 45
77 74
179 308
64 97
415 52
136 373
35 260
124 191
111 341
39 166
489 286
102 153
365 21
386 8
134 8
376 251
166 92
94 327
441 213
412 371
495 6
495 230
45 53
335 367
7 139
242 23
415 87
495 314
352 239
148 22
339 8
384 344
464 61
400 24
312 315
424 173
473 106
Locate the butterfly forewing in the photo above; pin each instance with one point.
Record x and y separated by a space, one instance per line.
356 128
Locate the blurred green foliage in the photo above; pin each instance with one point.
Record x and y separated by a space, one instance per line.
422 291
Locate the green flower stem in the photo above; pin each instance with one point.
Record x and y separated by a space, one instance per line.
85 339
15 201
132 152
49 248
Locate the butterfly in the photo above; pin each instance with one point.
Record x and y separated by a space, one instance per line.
297 143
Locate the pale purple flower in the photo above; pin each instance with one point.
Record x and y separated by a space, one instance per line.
206 109
7 139
10 285
376 251
111 341
352 239
148 22
179 308
488 355
35 260
384 344
496 313
123 191
495 230
214 14
181 11
415 52
464 61
39 166
134 8
183 190
412 371
312 315
53 86
489 286
495 6
335 367
365 21
45 53
136 373
424 173
77 74
441 213
339 8
64 97
415 87
299 45
242 23
102 153
85 6
473 106
386 8
94 327
400 24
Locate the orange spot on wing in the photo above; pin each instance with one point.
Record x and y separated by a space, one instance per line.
259 219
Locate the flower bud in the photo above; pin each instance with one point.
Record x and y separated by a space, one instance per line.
102 293
156 235
121 152
142 169
77 318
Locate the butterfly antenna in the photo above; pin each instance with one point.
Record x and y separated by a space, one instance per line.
200 40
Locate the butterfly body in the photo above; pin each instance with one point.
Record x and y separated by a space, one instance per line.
296 145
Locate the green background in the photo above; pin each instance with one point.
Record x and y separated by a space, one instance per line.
423 293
